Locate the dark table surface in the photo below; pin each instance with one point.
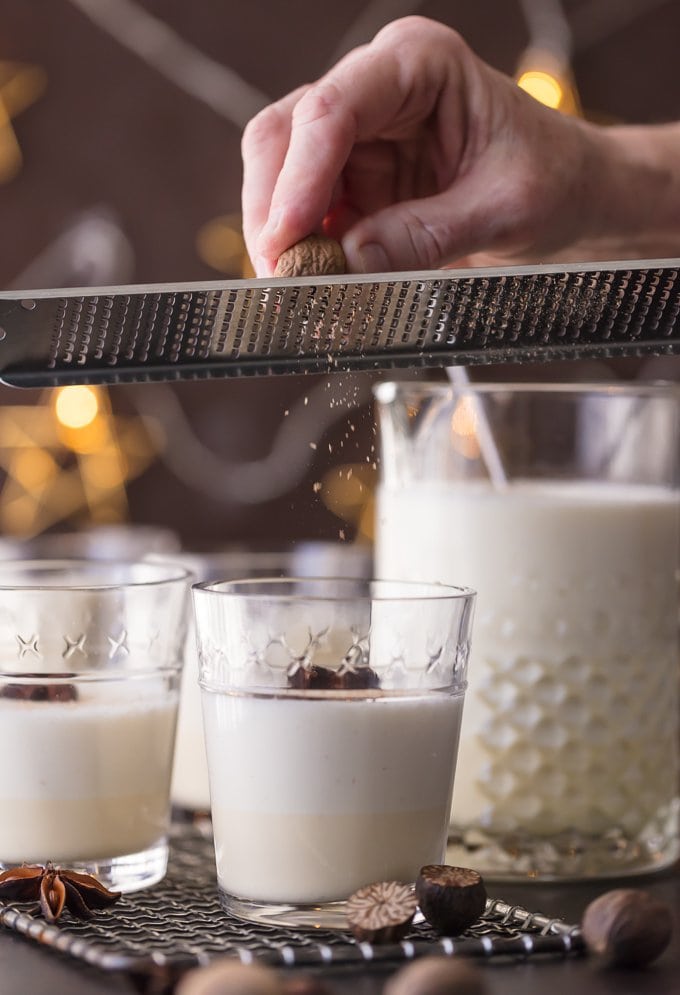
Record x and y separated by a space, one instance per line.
28 969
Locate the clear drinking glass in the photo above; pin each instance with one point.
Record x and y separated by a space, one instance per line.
332 710
190 790
91 656
569 755
124 541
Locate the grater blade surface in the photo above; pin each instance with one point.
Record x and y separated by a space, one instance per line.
321 324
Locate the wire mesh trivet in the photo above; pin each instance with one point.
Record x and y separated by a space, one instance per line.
179 923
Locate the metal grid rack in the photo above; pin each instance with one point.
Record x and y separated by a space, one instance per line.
179 924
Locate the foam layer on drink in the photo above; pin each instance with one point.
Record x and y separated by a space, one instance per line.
85 779
571 714
314 797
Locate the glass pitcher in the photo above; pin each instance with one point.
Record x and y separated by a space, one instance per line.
558 504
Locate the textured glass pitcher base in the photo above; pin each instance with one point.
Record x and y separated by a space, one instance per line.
325 915
569 855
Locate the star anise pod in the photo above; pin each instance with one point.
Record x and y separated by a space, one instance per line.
56 888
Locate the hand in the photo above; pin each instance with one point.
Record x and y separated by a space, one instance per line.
417 154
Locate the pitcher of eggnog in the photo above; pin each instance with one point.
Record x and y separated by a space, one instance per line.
559 505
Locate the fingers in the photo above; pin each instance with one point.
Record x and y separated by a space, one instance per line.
383 91
416 154
370 176
264 146
321 137
421 234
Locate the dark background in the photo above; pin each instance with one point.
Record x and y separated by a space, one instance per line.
112 141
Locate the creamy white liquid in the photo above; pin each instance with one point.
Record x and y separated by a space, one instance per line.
571 716
313 798
87 779
190 787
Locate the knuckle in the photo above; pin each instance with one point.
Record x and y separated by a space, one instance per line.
265 126
428 242
319 102
415 28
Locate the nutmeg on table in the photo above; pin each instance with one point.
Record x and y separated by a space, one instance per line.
428 976
627 927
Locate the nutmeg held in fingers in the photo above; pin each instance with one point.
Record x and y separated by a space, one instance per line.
437 976
315 255
230 977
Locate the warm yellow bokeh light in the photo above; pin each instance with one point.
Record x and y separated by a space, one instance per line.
104 470
88 439
464 429
68 459
33 468
542 86
220 244
76 406
464 420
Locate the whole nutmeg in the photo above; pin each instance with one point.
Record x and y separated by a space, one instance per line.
230 977
450 898
315 255
306 984
437 976
627 927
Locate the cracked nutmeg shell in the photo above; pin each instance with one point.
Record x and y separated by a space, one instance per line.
437 976
315 255
230 977
627 927
381 912
450 898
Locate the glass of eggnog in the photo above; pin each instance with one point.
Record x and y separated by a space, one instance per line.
90 666
190 791
332 711
559 505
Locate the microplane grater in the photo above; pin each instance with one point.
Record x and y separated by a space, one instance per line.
321 324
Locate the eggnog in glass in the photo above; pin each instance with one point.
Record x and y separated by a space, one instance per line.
332 710
88 699
568 765
190 791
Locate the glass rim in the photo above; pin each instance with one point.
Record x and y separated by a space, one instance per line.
388 390
107 675
171 573
377 695
436 591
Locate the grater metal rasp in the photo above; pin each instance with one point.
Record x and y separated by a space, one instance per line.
320 324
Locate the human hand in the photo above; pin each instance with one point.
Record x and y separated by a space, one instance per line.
417 154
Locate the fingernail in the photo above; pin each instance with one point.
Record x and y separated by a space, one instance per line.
372 258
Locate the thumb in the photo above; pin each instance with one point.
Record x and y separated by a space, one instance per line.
417 234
